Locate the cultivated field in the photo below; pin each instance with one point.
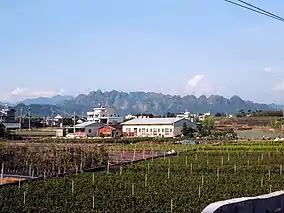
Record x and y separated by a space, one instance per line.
184 183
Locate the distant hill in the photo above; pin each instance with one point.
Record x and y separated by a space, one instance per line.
276 106
45 100
138 102
158 103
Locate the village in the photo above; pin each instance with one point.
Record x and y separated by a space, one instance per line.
105 123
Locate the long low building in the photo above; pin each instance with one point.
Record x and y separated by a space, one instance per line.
155 127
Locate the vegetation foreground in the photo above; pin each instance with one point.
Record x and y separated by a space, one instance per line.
184 183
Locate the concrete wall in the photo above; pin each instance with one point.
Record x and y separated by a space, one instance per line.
270 203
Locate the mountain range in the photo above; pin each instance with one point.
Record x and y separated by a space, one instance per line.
136 102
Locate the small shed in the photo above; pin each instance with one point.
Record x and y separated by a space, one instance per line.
88 129
60 132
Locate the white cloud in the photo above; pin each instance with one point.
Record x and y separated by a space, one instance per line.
279 86
268 70
19 94
195 81
200 85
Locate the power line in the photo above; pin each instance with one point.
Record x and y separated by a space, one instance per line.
258 8
257 11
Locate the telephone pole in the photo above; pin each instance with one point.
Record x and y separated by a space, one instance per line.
21 114
74 128
29 118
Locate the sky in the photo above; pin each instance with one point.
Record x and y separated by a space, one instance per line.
183 47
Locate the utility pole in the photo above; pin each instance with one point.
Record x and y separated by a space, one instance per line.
29 118
52 120
74 128
21 114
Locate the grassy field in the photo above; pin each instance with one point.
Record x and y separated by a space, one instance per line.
248 134
35 132
184 183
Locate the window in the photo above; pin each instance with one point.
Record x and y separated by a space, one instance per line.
147 130
158 130
128 129
89 130
139 130
162 130
150 130
171 129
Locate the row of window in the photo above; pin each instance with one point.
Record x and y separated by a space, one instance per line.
154 130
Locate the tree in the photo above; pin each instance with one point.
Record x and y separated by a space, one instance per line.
207 125
276 123
218 114
2 131
187 130
170 115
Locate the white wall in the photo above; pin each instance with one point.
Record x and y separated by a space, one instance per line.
273 202
145 130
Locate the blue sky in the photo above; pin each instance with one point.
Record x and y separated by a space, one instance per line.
178 47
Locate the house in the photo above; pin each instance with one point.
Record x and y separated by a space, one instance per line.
155 127
110 131
88 129
7 118
104 115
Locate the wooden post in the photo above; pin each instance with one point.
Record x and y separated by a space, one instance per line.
146 178
258 160
120 168
269 174
248 162
191 168
93 178
222 160
262 156
228 156
72 187
93 201
207 161
270 189
235 168
108 167
199 191
196 156
202 180
185 160
132 189
261 182
24 198
2 172
217 173
19 183
172 206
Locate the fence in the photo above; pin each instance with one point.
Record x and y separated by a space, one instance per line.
269 203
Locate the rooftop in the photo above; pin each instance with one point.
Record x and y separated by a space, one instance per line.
88 123
152 121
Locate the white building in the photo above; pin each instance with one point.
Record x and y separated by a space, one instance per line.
155 127
104 115
205 115
187 115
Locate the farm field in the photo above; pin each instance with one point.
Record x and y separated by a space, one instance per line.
184 183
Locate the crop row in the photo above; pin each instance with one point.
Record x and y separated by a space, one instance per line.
32 160
184 183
